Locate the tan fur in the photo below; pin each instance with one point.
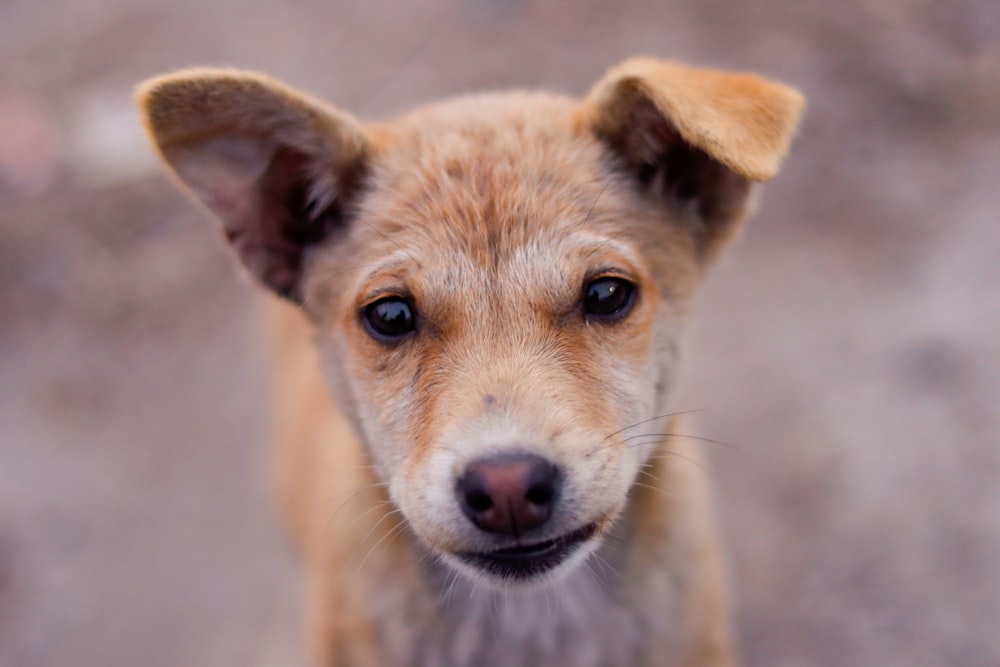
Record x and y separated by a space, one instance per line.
491 215
742 120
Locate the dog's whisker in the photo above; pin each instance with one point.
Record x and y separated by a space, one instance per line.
650 475
681 501
606 565
331 522
352 497
375 525
344 569
377 506
588 567
653 443
663 454
616 538
610 533
395 530
679 435
450 588
666 415
658 489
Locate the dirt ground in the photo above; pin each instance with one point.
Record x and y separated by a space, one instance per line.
850 346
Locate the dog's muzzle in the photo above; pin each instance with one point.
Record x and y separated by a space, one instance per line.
514 495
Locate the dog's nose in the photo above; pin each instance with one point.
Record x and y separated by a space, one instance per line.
509 494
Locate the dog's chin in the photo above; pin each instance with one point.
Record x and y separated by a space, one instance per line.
529 565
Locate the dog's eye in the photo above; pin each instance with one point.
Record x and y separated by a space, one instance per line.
389 319
608 298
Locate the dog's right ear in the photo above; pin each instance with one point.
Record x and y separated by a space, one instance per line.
695 138
275 166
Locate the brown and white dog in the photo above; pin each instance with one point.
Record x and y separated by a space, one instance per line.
477 382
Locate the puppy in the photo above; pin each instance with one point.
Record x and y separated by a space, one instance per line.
480 456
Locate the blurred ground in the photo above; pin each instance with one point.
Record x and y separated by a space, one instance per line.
850 346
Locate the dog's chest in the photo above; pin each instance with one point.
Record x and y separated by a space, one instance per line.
577 622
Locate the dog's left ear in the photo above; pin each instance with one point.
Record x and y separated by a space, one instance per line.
696 138
279 169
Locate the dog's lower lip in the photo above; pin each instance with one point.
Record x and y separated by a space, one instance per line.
527 560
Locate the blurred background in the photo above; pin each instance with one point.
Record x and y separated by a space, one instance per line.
849 351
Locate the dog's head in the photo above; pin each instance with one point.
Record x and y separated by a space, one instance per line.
500 284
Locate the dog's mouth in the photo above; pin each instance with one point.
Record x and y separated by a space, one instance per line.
525 561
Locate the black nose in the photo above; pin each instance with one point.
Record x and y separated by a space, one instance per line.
509 494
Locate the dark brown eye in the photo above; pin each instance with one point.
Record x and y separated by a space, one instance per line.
608 298
390 319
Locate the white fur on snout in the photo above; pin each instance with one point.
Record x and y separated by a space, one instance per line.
597 472
433 483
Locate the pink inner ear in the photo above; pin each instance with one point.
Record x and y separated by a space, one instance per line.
224 173
229 200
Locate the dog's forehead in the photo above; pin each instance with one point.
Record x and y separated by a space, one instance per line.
489 180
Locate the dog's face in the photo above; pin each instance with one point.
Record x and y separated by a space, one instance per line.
501 284
493 317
